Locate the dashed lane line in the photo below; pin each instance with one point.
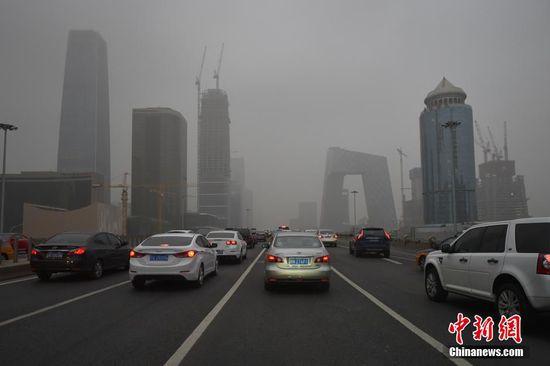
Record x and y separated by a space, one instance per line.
17 280
391 261
407 324
186 346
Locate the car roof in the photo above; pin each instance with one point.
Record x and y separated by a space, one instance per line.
223 231
186 235
295 233
326 230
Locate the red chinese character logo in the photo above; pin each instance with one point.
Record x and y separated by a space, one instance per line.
484 328
510 328
457 327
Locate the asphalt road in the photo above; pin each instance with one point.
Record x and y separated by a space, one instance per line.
376 312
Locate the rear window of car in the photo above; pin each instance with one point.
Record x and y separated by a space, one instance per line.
297 242
325 232
220 236
533 238
68 238
374 232
167 241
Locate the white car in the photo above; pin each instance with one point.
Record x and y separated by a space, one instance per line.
188 257
228 244
328 237
505 262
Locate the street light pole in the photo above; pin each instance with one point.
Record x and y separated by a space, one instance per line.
354 211
6 127
452 125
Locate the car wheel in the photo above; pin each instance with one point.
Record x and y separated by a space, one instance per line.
356 252
239 258
511 300
386 254
138 283
5 256
421 262
200 279
97 270
245 254
350 250
433 286
44 276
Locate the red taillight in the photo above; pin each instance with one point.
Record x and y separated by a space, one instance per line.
77 251
35 252
274 259
361 235
231 242
387 235
543 264
323 259
134 254
186 254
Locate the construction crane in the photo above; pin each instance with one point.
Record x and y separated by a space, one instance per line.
198 84
496 152
217 71
123 200
480 141
505 141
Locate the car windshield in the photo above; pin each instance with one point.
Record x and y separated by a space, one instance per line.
68 238
379 233
297 242
167 241
216 235
326 232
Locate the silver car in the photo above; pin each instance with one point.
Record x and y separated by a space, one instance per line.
297 258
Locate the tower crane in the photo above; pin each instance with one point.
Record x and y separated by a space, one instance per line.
496 152
217 71
480 141
198 84
505 140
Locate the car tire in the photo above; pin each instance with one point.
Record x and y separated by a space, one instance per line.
510 295
239 258
386 254
5 257
433 287
350 250
97 270
356 253
200 278
138 283
245 255
44 276
422 262
269 286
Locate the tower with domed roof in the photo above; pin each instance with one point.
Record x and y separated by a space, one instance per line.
443 104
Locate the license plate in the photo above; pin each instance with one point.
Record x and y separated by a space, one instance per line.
298 261
219 251
159 257
54 255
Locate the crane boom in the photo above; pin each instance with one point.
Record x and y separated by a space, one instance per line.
496 152
198 84
480 141
217 71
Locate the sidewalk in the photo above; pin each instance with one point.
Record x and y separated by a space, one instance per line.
9 270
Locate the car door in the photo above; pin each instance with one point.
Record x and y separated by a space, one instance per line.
104 250
120 252
454 266
208 255
486 262
242 243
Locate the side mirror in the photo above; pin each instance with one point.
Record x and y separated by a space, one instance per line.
446 248
213 245
265 245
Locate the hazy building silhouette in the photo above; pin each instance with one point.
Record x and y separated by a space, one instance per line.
307 214
84 142
236 210
413 211
447 103
213 155
159 169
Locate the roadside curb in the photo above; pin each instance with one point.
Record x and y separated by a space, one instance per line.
15 271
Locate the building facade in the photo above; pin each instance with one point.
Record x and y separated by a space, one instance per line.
214 155
447 103
236 209
84 134
159 169
413 211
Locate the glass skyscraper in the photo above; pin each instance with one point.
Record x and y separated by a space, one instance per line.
84 134
447 103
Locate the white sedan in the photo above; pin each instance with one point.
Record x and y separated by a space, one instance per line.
187 257
228 244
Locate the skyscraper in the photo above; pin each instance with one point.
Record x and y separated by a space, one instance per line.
159 165
447 103
84 134
213 155
236 209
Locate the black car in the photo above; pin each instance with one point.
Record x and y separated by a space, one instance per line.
247 236
88 253
371 240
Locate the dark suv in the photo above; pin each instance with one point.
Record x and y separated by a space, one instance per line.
370 240
247 236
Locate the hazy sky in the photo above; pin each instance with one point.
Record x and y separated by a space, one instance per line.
301 76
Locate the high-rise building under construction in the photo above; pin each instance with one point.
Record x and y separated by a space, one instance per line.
214 155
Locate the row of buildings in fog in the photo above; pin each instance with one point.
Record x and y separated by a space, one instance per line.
41 203
497 194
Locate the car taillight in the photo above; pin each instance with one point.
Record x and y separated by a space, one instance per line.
77 251
543 264
186 254
387 235
35 252
323 259
231 242
274 259
134 254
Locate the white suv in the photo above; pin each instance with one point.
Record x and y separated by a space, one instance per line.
506 262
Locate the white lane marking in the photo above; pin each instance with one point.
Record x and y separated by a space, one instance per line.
59 304
407 324
391 261
403 259
18 280
186 346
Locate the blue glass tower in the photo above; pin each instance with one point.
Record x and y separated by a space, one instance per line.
447 103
